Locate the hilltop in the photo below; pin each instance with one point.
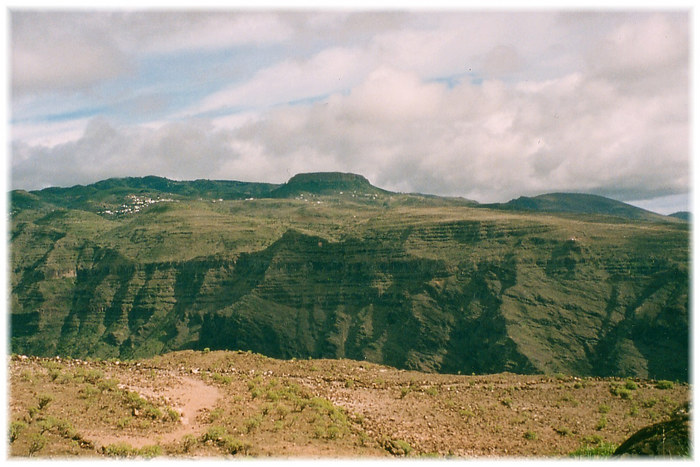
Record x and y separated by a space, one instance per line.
132 268
578 203
326 183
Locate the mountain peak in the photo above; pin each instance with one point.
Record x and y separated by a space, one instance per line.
325 183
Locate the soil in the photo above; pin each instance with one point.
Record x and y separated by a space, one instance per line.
224 404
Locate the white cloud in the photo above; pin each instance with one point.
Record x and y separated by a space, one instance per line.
534 103
329 71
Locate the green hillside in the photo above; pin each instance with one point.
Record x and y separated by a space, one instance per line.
578 203
137 267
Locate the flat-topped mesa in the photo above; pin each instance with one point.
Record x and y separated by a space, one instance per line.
324 183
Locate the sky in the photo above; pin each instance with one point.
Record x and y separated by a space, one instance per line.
485 104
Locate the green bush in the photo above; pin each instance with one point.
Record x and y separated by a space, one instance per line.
188 442
36 443
663 384
631 385
602 423
215 434
603 408
397 447
16 427
252 423
624 393
172 414
530 435
124 450
602 449
44 400
124 422
234 445
153 412
221 379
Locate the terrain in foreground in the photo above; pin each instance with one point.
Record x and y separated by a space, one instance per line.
222 403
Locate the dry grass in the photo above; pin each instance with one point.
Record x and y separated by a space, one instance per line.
257 406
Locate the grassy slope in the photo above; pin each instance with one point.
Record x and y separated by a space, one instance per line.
415 282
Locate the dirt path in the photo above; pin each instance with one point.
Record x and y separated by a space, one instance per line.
189 396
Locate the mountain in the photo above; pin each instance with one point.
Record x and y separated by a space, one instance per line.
578 203
683 215
112 193
131 268
326 183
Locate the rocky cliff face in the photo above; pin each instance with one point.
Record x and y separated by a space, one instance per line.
451 289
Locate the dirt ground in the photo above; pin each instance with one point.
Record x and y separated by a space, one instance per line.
222 404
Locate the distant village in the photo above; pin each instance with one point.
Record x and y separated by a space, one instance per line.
135 204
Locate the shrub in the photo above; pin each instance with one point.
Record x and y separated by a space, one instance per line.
397 447
88 391
125 450
563 431
252 423
124 422
234 445
663 384
404 391
188 442
172 414
108 385
134 400
283 410
36 443
16 428
215 414
44 400
602 449
150 452
221 379
602 423
214 434
603 408
624 393
530 435
152 412
649 403
592 439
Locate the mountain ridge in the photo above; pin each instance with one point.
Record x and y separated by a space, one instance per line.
316 183
420 283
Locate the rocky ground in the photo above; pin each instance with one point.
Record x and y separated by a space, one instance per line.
221 404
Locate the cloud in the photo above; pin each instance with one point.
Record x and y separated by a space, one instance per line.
57 52
488 142
488 106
